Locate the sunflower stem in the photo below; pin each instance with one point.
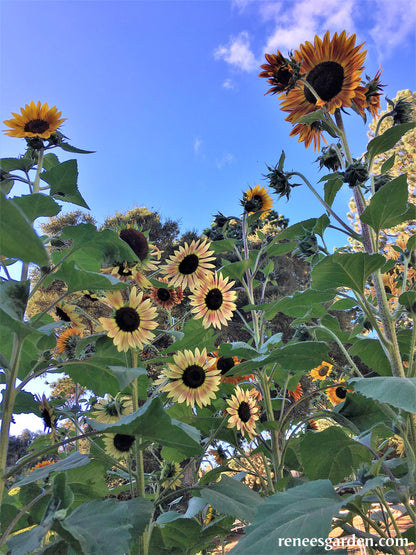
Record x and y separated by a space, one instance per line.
38 171
276 455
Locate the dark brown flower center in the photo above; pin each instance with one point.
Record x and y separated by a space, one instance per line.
123 442
341 392
326 79
124 271
127 319
62 315
47 418
244 411
283 75
224 364
194 376
189 264
213 299
323 371
137 241
163 294
36 126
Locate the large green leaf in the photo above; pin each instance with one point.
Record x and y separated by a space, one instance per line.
301 303
362 412
79 280
345 270
105 527
225 245
304 355
194 335
298 230
72 461
302 512
153 423
398 392
333 183
388 139
236 270
87 482
387 208
331 454
62 180
371 353
17 237
231 497
10 164
93 374
36 205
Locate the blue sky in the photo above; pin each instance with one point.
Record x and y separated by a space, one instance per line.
167 93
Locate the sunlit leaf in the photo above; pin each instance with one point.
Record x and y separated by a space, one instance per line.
398 392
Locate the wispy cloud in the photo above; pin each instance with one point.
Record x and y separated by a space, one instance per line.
225 159
238 52
197 145
393 23
229 84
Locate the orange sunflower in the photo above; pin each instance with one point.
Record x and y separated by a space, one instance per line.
191 379
166 297
297 394
244 412
308 133
40 465
224 365
278 72
322 371
189 265
338 393
131 324
67 340
257 199
333 69
213 301
35 120
373 91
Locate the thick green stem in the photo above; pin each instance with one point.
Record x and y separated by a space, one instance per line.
37 178
276 455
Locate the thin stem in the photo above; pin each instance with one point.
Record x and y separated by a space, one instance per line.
37 178
276 455
343 349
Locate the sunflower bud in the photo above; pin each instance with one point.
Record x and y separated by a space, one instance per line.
34 142
402 111
302 334
279 181
56 138
356 174
220 220
137 241
329 158
308 246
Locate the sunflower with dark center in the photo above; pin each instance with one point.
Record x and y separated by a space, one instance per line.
278 73
213 301
166 297
46 412
111 409
333 69
224 365
35 120
67 314
171 475
308 133
119 446
243 411
373 93
67 341
131 324
191 378
137 241
338 393
257 199
190 265
219 453
322 371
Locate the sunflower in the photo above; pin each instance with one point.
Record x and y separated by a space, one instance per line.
224 365
67 341
191 378
308 133
46 413
219 453
333 69
337 393
189 265
111 409
67 314
322 371
213 301
244 412
297 394
398 444
166 297
118 445
35 120
171 475
372 93
40 465
131 324
278 72
257 199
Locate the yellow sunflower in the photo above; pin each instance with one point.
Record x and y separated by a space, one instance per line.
166 297
244 412
35 120
66 313
333 69
322 371
308 133
131 324
189 265
191 379
213 301
171 475
257 199
338 393
111 409
67 341
219 453
118 446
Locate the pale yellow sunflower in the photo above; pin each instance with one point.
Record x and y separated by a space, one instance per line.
190 265
111 409
243 411
257 199
131 324
66 313
213 301
171 475
190 378
35 120
322 371
119 446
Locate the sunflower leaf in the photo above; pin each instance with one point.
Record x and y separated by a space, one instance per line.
69 148
36 205
10 164
78 280
298 230
388 139
318 115
305 511
362 412
72 461
62 180
398 392
372 354
235 270
333 184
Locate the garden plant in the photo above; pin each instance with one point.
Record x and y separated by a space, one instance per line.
170 431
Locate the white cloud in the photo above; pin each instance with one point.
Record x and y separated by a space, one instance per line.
394 21
238 53
240 5
229 84
197 145
225 159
